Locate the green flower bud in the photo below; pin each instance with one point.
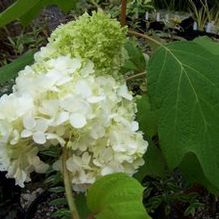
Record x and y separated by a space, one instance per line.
97 38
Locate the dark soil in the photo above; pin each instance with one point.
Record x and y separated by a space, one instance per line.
41 207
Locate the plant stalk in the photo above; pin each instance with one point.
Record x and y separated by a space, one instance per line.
146 37
123 13
135 76
68 186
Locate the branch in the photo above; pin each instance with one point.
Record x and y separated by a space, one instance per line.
68 186
135 76
146 37
123 13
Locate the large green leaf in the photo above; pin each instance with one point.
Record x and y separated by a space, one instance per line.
146 117
195 173
10 71
117 196
208 44
28 9
183 85
155 164
148 123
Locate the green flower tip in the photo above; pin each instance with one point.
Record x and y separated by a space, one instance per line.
97 37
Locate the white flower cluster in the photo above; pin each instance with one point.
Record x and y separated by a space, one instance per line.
67 104
68 98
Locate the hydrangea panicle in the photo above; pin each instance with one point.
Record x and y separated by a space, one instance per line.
69 98
97 38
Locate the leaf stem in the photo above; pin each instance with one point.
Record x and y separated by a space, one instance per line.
135 76
123 13
151 39
68 186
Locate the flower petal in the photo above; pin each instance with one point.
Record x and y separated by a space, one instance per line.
39 137
26 133
77 120
29 122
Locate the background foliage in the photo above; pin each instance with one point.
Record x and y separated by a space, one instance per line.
26 10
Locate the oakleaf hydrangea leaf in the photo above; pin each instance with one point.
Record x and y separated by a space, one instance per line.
117 196
183 85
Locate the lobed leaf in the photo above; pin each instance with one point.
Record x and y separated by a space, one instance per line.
183 85
146 117
208 44
155 164
116 196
